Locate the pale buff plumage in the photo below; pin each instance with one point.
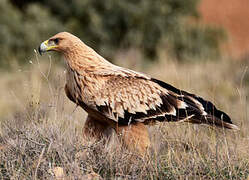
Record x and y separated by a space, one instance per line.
124 99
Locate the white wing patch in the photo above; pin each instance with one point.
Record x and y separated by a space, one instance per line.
200 106
182 105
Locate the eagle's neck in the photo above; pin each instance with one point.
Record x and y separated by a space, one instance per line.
83 58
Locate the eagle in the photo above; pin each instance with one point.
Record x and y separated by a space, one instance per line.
123 99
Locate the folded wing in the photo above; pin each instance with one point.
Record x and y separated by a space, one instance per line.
130 99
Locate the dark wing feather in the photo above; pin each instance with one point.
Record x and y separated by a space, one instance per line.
204 111
132 99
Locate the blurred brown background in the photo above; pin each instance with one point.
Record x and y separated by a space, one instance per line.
233 15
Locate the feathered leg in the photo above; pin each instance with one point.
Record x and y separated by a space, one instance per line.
135 137
94 128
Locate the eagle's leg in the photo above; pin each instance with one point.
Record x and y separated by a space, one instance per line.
95 129
135 137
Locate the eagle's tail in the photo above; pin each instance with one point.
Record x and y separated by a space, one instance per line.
197 110
212 116
213 121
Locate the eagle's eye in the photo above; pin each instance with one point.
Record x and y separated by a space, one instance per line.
56 41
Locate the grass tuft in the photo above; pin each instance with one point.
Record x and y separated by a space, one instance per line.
41 130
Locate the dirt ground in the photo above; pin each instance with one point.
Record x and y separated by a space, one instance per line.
233 16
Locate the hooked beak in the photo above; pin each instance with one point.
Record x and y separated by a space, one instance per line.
45 46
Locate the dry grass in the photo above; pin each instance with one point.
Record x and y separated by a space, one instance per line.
41 130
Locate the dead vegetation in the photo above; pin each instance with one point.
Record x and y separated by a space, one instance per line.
41 130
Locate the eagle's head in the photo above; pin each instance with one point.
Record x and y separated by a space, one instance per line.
62 42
